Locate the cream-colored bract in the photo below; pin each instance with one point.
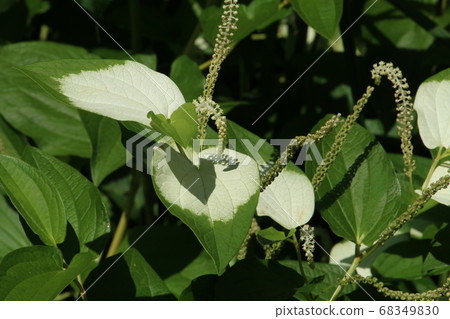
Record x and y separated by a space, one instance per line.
432 104
212 189
289 200
124 92
442 196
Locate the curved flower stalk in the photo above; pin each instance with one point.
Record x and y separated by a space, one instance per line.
294 145
322 170
254 229
413 210
429 295
404 108
205 106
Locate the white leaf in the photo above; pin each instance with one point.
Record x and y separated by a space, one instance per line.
124 92
217 201
442 196
219 190
289 200
432 104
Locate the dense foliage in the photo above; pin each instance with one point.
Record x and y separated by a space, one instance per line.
358 199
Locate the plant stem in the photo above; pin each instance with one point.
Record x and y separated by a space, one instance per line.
283 4
78 282
432 168
296 244
63 296
299 254
123 222
443 6
81 288
43 33
349 274
204 65
181 150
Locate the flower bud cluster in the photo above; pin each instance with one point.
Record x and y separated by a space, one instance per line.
404 108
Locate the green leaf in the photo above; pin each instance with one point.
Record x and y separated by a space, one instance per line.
55 127
322 15
437 260
12 235
401 261
11 143
250 144
200 266
138 280
157 247
323 279
187 76
385 25
118 89
270 235
181 125
36 7
423 19
360 193
255 16
37 273
250 279
108 153
217 201
36 199
82 201
423 164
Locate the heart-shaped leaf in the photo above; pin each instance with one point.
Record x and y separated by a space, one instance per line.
215 199
121 90
360 194
289 199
